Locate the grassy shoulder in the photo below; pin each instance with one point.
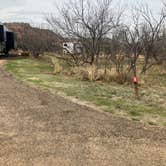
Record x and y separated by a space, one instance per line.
111 97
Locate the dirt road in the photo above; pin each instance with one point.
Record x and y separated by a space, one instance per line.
37 128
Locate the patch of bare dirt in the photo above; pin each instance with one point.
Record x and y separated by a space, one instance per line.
40 129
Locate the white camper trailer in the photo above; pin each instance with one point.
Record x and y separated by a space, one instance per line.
72 48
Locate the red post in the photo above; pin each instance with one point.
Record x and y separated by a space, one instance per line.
135 82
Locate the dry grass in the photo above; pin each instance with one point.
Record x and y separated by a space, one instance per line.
86 72
56 65
89 73
92 73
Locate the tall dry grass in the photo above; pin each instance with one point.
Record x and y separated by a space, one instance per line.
87 72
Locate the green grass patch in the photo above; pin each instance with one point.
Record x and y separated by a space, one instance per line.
114 98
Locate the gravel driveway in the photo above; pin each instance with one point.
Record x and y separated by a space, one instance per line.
40 129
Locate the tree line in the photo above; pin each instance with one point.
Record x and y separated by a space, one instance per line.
109 35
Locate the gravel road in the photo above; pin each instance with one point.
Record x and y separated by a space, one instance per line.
40 129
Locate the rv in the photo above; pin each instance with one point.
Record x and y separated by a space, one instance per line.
72 48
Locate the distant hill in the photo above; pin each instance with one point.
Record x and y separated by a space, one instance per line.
35 39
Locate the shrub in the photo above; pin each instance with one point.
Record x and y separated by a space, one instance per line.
56 65
86 72
89 73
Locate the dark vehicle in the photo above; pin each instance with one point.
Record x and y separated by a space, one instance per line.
7 40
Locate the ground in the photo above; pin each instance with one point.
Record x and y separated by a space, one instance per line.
118 99
38 128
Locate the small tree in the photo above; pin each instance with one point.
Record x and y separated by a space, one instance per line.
152 36
133 41
113 49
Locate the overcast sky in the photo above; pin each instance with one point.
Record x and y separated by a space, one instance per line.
33 11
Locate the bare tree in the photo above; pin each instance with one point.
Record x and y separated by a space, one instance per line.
151 36
88 22
113 49
133 41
